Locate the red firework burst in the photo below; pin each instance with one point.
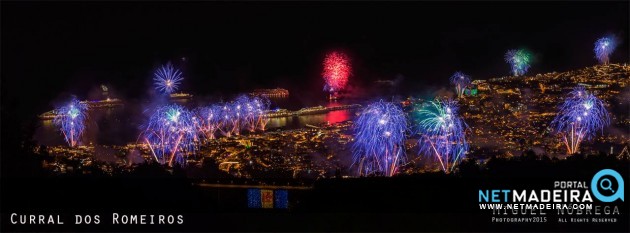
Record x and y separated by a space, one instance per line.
337 69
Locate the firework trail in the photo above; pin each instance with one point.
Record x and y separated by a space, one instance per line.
379 139
580 116
231 118
336 71
248 112
519 60
460 80
603 48
254 112
71 121
261 108
167 79
442 133
208 120
238 116
226 123
170 134
244 113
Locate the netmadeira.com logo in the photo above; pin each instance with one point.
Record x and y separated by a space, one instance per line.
572 201
601 181
606 185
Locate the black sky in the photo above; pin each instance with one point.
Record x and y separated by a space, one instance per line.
53 48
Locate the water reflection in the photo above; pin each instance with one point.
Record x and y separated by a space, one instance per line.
295 122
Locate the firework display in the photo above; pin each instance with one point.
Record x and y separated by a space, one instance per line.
226 123
379 139
71 121
253 112
208 120
238 115
244 113
460 80
170 134
167 79
262 107
336 71
173 133
519 61
279 117
442 133
580 116
604 47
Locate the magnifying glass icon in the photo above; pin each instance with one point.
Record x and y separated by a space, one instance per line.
606 187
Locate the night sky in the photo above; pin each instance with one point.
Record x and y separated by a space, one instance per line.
53 49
